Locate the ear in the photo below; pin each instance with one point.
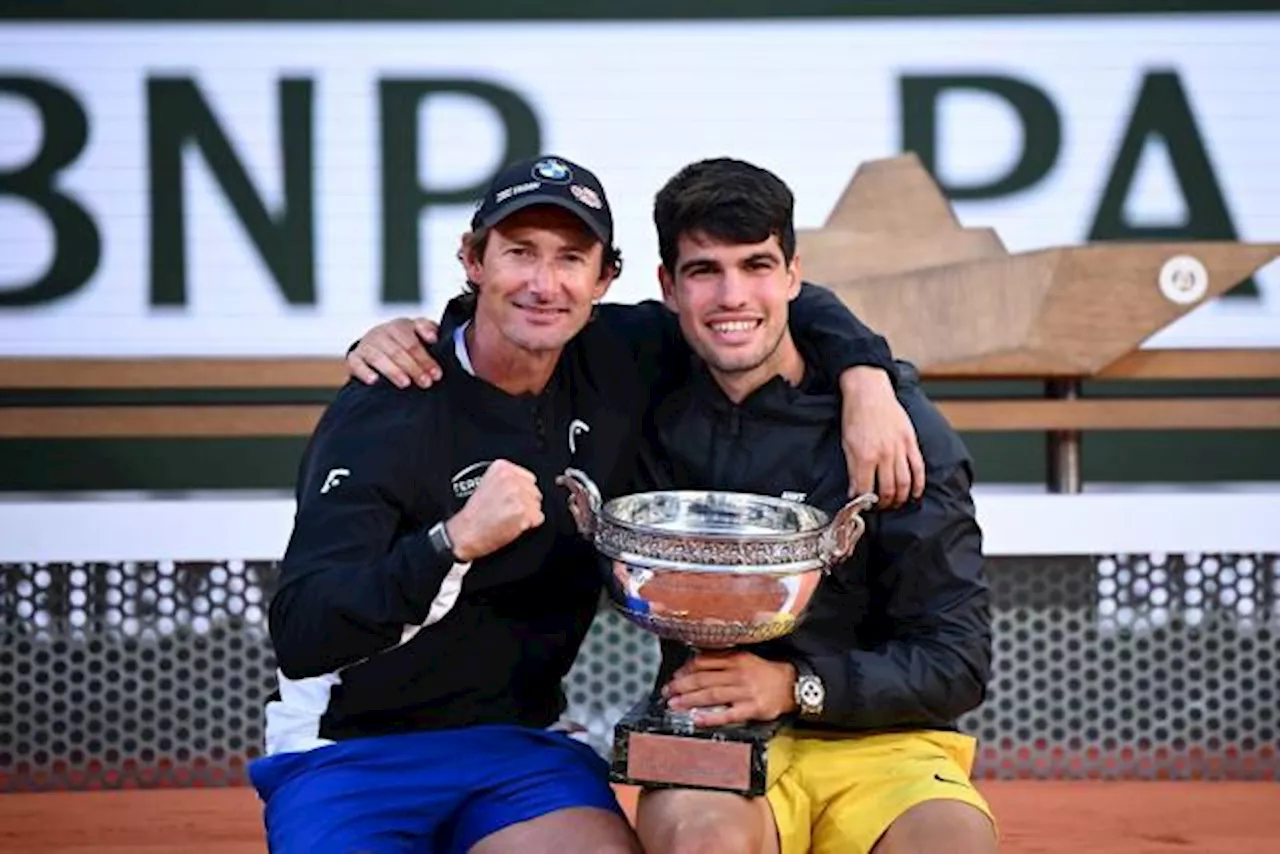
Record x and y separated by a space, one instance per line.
603 283
472 264
668 284
794 278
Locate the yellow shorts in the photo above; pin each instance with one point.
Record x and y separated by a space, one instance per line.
841 794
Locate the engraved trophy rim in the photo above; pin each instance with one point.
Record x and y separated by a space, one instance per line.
820 517
756 552
814 538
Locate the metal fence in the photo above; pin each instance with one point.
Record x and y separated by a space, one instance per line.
1146 666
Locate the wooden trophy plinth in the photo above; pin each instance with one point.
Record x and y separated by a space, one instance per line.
653 750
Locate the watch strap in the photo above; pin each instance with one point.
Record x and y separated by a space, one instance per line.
439 537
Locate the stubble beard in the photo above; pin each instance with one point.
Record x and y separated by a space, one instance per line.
733 369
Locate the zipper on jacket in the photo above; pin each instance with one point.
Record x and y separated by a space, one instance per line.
726 427
539 423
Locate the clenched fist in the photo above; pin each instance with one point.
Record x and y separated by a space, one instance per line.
506 503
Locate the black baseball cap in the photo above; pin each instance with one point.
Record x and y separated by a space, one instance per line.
547 180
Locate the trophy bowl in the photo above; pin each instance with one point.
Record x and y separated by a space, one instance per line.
712 569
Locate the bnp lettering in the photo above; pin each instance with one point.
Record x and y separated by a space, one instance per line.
180 120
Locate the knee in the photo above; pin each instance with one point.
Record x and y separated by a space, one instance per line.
972 832
691 833
944 826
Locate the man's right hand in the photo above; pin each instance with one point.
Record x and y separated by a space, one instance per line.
506 503
396 350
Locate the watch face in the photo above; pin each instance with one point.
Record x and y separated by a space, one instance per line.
811 692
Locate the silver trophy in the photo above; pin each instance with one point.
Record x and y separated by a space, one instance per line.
712 570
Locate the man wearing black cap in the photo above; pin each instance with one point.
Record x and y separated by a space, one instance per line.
435 590
415 712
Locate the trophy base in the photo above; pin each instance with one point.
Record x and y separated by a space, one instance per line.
656 749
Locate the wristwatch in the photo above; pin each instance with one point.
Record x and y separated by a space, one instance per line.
810 693
439 537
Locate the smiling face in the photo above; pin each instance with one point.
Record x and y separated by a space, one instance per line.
727 239
538 275
733 301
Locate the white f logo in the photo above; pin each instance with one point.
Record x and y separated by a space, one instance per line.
576 426
333 478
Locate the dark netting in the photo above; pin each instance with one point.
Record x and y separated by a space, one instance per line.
151 674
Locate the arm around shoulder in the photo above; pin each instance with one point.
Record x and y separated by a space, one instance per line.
824 327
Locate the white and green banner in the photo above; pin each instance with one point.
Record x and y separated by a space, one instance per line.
246 188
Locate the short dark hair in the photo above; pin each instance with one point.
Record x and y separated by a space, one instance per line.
610 261
725 199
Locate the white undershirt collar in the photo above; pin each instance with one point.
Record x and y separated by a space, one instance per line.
460 348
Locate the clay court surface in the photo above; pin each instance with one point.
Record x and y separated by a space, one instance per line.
1094 817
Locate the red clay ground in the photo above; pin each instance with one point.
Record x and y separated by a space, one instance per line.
1045 818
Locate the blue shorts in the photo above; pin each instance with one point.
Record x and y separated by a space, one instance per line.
441 790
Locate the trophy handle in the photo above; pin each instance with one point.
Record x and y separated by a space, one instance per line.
838 540
584 499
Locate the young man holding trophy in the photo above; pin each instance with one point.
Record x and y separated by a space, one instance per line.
896 642
435 589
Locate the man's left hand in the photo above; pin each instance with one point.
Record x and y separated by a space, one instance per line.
749 687
880 444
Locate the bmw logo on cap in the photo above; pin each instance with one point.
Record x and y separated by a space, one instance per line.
552 170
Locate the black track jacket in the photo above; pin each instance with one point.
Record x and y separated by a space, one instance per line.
899 633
